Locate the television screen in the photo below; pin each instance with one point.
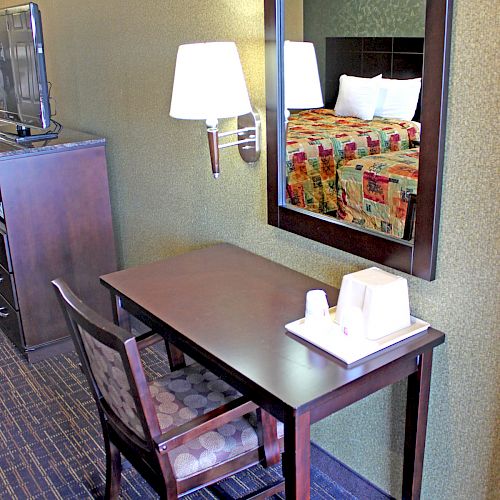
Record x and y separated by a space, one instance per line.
24 95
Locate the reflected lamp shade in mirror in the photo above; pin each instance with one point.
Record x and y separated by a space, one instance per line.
209 83
302 83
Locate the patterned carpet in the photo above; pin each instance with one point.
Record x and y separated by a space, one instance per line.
51 446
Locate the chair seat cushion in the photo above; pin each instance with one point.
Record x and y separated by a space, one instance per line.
187 393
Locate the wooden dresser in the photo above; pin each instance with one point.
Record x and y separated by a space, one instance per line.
55 222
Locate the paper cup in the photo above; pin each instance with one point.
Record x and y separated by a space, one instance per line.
317 314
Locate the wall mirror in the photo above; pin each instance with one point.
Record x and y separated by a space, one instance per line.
368 186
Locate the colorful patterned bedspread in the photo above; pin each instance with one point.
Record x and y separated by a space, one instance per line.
317 140
374 191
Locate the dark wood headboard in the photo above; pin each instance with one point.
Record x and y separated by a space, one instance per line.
396 57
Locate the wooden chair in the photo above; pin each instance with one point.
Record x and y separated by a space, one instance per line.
183 431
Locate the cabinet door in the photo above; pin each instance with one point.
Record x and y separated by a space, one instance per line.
10 323
5 261
8 287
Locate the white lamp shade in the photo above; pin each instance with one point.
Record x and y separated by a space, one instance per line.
209 82
302 84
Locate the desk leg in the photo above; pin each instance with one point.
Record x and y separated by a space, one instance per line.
297 456
417 405
268 434
122 318
175 356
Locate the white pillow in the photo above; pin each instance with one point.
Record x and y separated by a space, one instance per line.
398 98
357 96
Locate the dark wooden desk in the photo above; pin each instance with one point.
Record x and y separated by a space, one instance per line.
227 308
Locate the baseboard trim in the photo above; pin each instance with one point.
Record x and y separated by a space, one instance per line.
43 351
344 476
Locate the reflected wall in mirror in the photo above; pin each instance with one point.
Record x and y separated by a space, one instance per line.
361 172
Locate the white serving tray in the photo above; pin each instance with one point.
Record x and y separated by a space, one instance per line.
350 349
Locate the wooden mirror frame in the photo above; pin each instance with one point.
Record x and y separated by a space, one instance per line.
418 259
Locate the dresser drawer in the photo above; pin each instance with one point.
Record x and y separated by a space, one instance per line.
10 323
8 287
5 261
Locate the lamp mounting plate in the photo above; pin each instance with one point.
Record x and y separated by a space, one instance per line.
249 129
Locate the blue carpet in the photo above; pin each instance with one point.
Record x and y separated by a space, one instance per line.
51 445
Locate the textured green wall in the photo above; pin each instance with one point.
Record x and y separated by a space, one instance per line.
112 65
362 18
328 18
294 20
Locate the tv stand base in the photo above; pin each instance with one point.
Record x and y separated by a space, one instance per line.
37 137
24 139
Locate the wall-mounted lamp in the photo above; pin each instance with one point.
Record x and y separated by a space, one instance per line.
302 83
208 85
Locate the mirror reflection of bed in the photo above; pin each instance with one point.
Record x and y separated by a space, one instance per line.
355 158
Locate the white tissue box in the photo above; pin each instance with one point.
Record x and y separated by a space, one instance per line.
372 304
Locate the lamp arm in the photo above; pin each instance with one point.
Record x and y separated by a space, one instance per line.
236 143
240 131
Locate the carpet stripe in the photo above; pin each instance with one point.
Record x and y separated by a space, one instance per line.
51 444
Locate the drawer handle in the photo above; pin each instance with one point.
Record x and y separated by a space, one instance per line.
3 314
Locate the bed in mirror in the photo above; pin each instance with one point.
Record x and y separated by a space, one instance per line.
356 112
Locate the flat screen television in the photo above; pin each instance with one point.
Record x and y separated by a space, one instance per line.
24 90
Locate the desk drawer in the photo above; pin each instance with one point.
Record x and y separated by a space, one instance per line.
10 323
8 287
5 261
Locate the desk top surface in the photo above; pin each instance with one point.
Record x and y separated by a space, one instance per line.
233 306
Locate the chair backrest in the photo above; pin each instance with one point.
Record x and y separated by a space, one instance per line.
111 362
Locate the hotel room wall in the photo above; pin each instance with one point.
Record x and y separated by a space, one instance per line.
294 20
112 67
378 18
362 18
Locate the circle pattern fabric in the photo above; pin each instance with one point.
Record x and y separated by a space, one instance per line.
192 391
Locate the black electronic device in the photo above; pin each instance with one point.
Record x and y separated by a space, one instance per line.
24 89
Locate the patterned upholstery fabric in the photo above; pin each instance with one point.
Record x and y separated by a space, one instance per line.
373 191
317 140
111 378
178 397
192 391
